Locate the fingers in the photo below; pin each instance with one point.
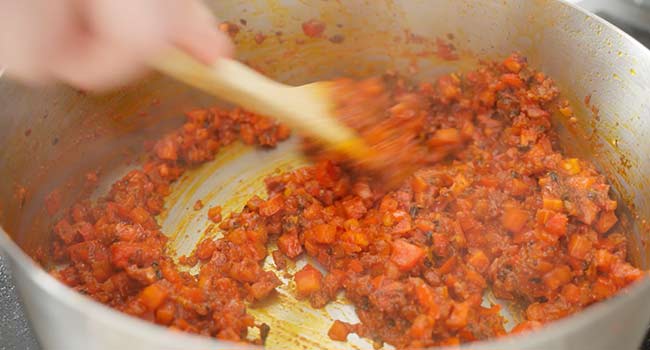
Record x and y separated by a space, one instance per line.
109 43
194 29
29 30
100 44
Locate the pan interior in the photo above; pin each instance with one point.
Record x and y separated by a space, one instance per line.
235 175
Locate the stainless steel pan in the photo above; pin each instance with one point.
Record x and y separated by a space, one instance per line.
50 137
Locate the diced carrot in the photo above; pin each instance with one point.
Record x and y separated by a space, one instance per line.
489 181
458 317
323 233
448 88
624 273
214 214
271 206
514 219
166 149
308 281
606 221
542 216
339 331
421 326
165 314
603 288
153 296
571 293
479 260
193 294
557 224
604 260
426 298
418 184
571 165
406 255
205 249
139 215
289 245
424 225
512 80
512 64
551 203
558 277
448 265
444 137
579 246
355 266
354 208
526 326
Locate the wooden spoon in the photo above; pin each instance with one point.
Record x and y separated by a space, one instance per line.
308 108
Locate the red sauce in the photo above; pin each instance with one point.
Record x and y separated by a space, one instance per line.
490 202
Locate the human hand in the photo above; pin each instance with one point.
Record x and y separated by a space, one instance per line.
100 44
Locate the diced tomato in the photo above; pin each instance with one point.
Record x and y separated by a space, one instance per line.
448 87
354 208
165 314
512 64
444 137
406 255
308 281
290 245
479 260
624 273
153 296
557 224
422 326
448 265
426 298
418 184
166 149
323 233
514 219
604 260
554 204
558 277
606 221
271 206
458 317
579 246
139 215
603 288
571 293
512 80
214 214
205 249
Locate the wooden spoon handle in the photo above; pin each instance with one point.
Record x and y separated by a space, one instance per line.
308 108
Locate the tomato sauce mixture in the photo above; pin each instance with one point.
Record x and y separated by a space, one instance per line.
487 202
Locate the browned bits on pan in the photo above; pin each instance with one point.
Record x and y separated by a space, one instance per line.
259 38
337 38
